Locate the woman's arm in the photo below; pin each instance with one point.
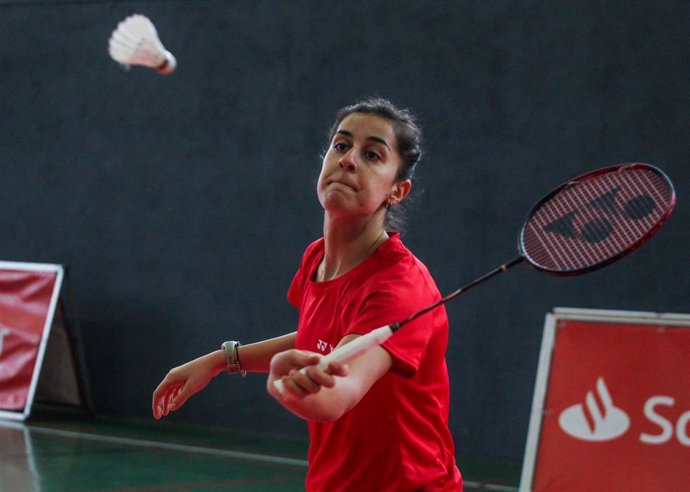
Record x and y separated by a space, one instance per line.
320 395
188 379
256 357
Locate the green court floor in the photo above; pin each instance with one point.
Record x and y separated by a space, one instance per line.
99 454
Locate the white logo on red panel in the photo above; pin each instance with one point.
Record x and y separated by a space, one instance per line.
3 333
598 419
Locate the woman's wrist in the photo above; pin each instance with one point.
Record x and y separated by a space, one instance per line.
233 365
216 360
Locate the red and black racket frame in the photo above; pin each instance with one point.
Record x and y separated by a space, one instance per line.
524 258
585 177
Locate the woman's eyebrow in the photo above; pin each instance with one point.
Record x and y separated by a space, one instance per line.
373 138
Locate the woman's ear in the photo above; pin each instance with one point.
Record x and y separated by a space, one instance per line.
400 190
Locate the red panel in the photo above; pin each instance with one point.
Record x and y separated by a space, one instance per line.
617 409
24 302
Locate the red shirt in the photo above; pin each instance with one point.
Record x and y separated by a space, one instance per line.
396 438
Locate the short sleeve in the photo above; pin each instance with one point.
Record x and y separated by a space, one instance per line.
310 258
393 302
294 293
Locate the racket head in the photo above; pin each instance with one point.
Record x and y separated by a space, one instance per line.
596 218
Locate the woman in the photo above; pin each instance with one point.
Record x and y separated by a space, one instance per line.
379 423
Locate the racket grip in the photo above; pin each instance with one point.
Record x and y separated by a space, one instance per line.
350 351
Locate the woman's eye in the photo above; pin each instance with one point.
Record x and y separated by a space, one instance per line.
340 146
372 155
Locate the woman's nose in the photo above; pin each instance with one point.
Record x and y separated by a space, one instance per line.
347 161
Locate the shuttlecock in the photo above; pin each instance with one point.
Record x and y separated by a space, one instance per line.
135 42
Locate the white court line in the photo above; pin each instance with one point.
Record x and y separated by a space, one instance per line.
202 450
159 445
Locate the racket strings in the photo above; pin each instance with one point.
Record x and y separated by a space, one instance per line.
618 231
603 229
546 247
593 220
642 218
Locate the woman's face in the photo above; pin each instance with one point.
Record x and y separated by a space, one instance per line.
359 171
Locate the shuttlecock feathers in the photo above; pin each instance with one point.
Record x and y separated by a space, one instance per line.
135 42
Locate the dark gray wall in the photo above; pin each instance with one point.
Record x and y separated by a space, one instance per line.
182 204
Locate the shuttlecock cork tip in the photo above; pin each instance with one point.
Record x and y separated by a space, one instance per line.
168 66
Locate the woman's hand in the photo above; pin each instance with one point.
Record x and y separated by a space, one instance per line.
324 395
184 381
285 366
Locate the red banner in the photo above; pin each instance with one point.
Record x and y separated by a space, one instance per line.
25 304
616 407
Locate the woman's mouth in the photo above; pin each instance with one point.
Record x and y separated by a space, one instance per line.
342 183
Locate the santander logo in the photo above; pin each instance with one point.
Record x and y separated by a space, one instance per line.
598 419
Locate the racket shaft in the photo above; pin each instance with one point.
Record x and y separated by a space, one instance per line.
349 351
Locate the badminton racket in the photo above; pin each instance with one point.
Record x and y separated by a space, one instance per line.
583 225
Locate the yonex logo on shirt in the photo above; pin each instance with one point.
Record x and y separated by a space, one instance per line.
324 346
